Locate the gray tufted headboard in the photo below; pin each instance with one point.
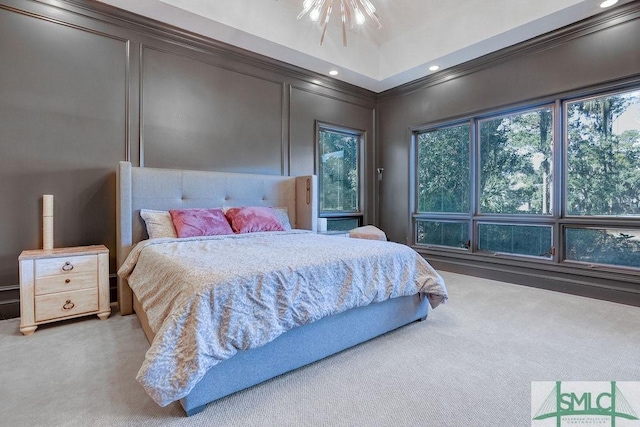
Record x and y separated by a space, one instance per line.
165 189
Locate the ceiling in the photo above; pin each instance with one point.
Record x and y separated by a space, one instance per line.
415 34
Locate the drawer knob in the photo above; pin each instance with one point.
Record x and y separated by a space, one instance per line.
67 266
67 281
68 305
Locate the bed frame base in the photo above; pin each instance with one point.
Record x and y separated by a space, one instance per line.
195 410
298 347
302 346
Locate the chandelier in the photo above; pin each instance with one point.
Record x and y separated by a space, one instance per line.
350 11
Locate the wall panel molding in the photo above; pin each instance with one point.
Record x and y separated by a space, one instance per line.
286 125
193 54
9 302
233 120
320 91
328 109
174 35
622 292
44 17
217 63
127 42
93 99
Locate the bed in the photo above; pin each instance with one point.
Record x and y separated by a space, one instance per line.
235 353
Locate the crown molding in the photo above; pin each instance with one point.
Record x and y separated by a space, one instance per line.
131 21
625 13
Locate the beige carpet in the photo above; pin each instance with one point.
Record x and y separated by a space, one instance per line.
470 364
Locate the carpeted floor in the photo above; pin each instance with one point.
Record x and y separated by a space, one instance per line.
470 364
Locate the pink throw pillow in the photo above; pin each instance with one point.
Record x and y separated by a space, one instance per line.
252 219
199 222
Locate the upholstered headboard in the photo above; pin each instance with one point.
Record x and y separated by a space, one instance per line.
164 189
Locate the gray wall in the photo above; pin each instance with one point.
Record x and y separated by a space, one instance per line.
84 85
601 51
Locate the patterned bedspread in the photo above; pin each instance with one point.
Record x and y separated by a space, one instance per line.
209 297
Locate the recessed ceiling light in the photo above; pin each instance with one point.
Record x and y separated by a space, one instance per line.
608 3
333 72
434 68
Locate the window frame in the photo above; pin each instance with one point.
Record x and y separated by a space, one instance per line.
559 220
414 188
565 156
449 221
362 139
474 216
477 225
478 159
416 135
588 221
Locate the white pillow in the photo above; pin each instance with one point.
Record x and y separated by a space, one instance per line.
158 223
283 216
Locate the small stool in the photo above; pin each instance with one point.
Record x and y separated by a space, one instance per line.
368 232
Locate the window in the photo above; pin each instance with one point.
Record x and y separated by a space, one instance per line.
443 185
527 240
443 171
515 163
491 185
514 156
339 176
443 233
614 246
603 155
603 179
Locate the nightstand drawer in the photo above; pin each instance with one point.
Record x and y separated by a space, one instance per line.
64 304
66 282
66 265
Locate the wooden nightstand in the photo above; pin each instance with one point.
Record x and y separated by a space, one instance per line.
63 283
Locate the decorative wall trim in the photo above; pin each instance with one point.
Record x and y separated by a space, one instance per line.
329 96
605 20
59 22
207 61
202 60
605 285
127 103
288 91
618 84
374 162
9 302
140 105
168 33
127 42
285 107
